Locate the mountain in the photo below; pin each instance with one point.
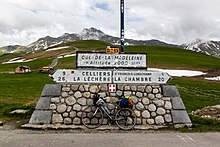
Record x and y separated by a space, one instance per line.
88 34
207 47
12 48
211 48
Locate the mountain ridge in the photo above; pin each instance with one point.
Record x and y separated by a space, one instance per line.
211 48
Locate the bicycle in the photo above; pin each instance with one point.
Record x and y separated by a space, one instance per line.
92 116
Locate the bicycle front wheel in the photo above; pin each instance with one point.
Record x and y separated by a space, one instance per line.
125 119
92 117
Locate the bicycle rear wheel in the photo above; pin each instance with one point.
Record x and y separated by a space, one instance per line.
92 117
125 119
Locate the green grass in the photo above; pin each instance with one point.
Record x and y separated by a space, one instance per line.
34 65
89 44
171 57
20 91
197 93
67 63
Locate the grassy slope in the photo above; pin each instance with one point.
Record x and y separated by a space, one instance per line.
176 58
19 90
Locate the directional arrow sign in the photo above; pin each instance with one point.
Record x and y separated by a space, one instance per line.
82 76
110 76
140 77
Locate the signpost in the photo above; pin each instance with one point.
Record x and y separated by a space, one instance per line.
112 50
102 60
118 66
140 77
110 76
122 26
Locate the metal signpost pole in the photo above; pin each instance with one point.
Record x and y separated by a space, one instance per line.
122 25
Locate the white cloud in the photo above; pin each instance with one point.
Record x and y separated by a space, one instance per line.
174 21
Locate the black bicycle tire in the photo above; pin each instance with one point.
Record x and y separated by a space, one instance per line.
132 116
84 117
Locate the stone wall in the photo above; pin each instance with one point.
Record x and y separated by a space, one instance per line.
154 104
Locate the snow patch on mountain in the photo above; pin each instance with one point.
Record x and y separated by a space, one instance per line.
207 47
91 34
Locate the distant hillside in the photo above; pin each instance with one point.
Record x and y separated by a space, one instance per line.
211 48
86 34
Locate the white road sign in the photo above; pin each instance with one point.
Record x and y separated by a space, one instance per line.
110 76
82 76
102 60
140 76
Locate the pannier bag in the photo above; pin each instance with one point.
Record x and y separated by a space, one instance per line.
126 102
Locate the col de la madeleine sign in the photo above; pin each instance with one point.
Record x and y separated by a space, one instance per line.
102 60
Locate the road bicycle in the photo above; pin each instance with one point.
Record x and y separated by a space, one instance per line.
92 116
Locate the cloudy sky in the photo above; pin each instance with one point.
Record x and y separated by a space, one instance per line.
172 21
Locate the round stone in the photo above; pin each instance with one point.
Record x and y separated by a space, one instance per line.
86 94
113 100
139 106
145 114
152 107
103 94
61 108
82 101
66 89
168 105
127 88
67 121
159 103
141 88
70 101
127 93
57 118
146 101
53 107
151 96
155 91
150 121
77 107
133 88
93 89
138 121
111 106
86 87
119 93
161 111
72 114
81 88
148 89
89 102
76 121
65 114
78 94
134 99
139 94
168 118
159 120
71 92
137 113
104 87
69 108
74 87
79 114
55 100
158 96
62 100
64 94
153 114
